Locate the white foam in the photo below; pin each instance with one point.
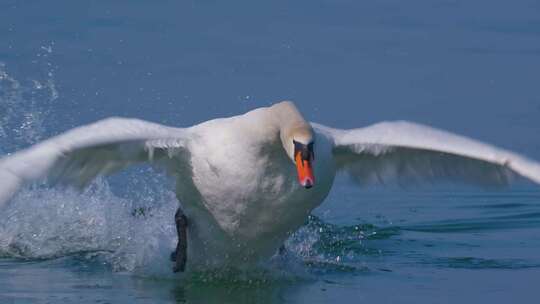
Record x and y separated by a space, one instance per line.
43 223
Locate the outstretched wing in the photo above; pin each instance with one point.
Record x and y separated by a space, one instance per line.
79 155
404 151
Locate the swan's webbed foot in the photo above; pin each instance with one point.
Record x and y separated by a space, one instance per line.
179 256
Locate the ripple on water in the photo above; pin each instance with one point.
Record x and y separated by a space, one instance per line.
512 221
481 263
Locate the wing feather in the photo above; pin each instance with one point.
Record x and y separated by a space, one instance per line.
406 151
79 155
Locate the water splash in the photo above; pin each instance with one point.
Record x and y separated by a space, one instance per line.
136 234
25 105
328 247
43 223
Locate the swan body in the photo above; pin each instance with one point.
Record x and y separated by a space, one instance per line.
236 177
249 200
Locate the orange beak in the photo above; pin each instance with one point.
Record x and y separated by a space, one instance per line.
305 170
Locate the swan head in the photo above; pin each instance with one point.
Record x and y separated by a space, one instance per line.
300 148
297 138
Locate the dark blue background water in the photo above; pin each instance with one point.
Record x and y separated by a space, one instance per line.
471 67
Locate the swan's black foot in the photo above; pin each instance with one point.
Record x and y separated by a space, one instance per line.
179 256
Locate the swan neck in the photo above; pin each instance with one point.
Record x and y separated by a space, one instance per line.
291 125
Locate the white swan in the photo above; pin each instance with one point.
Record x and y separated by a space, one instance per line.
243 180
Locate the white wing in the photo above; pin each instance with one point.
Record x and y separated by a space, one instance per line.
406 151
81 154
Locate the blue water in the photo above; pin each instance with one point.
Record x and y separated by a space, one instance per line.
471 67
